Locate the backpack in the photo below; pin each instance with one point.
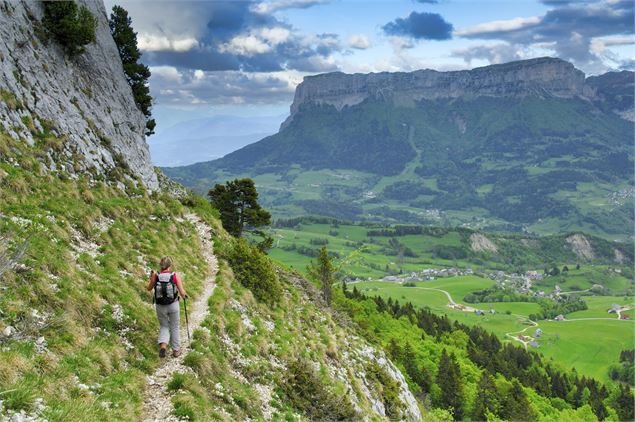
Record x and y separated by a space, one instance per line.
165 292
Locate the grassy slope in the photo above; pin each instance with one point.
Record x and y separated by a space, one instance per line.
83 328
246 348
83 292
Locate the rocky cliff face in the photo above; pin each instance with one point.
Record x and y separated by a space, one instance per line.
538 77
85 99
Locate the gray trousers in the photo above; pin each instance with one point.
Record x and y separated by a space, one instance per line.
169 317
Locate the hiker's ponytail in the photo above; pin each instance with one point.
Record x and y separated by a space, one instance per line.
166 262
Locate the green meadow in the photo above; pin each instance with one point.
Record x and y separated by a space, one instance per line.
360 255
589 346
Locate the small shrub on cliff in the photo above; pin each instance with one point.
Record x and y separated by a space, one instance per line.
254 270
309 394
71 26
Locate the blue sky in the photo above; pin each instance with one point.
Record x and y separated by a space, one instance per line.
246 57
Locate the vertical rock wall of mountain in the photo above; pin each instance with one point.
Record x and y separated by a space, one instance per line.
85 100
543 76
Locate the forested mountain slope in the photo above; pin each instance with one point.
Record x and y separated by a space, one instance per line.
528 145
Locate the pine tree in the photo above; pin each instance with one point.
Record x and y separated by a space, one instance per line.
486 400
623 404
137 74
416 374
515 404
394 350
323 272
448 380
237 202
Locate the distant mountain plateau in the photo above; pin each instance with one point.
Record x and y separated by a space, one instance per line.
531 146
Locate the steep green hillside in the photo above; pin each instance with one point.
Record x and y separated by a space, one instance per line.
541 164
78 330
508 381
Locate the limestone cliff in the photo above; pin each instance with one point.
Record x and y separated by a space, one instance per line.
84 99
538 77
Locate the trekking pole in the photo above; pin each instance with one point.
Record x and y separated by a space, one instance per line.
187 322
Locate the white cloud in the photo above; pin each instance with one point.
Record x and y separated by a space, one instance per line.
498 26
401 43
199 75
359 41
168 73
150 42
226 87
245 45
276 35
492 54
599 44
274 5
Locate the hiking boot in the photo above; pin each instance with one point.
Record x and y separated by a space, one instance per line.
161 352
176 353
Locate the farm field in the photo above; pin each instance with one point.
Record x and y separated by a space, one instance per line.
588 346
359 253
572 343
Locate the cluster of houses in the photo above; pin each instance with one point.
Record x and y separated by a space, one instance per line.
428 274
531 340
619 310
619 197
520 283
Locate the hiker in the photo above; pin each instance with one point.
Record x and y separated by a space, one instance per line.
165 284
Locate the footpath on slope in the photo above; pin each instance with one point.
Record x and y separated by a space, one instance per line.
157 405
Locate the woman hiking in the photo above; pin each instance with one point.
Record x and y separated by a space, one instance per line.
165 284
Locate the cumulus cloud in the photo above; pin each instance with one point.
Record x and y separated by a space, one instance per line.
149 42
227 35
227 53
484 29
569 28
245 45
424 25
275 35
199 75
167 73
359 42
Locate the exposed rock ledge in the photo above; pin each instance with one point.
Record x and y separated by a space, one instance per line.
86 99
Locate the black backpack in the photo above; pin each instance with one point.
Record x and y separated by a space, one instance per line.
165 292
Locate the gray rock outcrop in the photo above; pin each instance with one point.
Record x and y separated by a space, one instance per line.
537 77
85 100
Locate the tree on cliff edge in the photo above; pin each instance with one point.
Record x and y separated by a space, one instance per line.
237 202
323 272
137 74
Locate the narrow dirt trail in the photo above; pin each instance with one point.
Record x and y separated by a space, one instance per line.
157 404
